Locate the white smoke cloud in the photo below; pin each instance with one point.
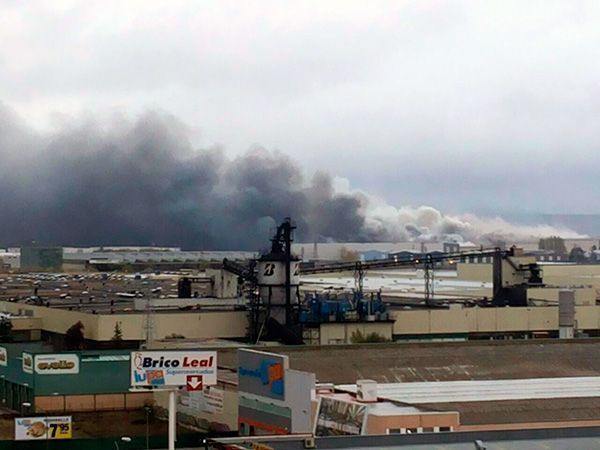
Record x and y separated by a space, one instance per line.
425 223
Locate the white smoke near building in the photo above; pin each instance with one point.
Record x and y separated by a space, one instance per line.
425 223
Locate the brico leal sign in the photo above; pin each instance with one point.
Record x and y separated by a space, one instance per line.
158 368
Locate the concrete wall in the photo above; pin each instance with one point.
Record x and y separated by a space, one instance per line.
97 402
474 272
55 320
489 320
341 333
565 275
381 424
225 283
573 270
583 296
99 327
573 275
26 323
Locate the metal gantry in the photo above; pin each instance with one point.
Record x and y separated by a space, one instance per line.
429 277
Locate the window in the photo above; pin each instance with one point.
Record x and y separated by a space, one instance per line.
412 430
395 431
428 430
445 429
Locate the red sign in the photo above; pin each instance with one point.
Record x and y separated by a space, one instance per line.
194 383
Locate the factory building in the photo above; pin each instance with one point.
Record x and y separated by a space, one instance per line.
99 329
41 258
145 258
124 311
36 380
410 389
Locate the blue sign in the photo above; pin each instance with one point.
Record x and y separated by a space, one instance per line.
269 372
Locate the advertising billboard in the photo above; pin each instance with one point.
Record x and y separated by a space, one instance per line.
43 428
56 364
337 417
27 362
262 373
210 400
164 368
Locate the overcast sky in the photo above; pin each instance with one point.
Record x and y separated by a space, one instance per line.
464 106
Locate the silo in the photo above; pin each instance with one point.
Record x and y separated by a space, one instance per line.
272 283
566 313
278 276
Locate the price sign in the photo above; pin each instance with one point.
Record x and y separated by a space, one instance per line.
43 428
59 428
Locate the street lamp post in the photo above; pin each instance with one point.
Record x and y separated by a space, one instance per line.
23 406
147 409
124 439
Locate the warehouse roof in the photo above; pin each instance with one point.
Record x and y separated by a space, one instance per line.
442 361
569 410
486 390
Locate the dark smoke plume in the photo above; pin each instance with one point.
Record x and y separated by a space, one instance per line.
142 183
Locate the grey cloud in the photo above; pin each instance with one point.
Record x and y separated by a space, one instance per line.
456 104
142 183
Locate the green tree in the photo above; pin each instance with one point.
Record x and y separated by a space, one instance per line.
5 329
118 333
577 255
358 337
74 337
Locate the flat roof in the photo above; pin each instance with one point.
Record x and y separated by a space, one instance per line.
406 282
574 411
442 361
486 390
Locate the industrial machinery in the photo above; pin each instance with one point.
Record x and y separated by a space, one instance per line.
511 277
272 285
321 308
273 289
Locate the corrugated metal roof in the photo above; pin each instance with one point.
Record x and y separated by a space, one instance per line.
518 411
486 390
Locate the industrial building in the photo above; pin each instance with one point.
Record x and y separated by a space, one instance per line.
365 366
441 389
107 258
434 294
151 307
335 251
141 309
35 380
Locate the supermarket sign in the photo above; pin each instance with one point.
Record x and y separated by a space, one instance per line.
43 428
50 364
174 369
56 364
